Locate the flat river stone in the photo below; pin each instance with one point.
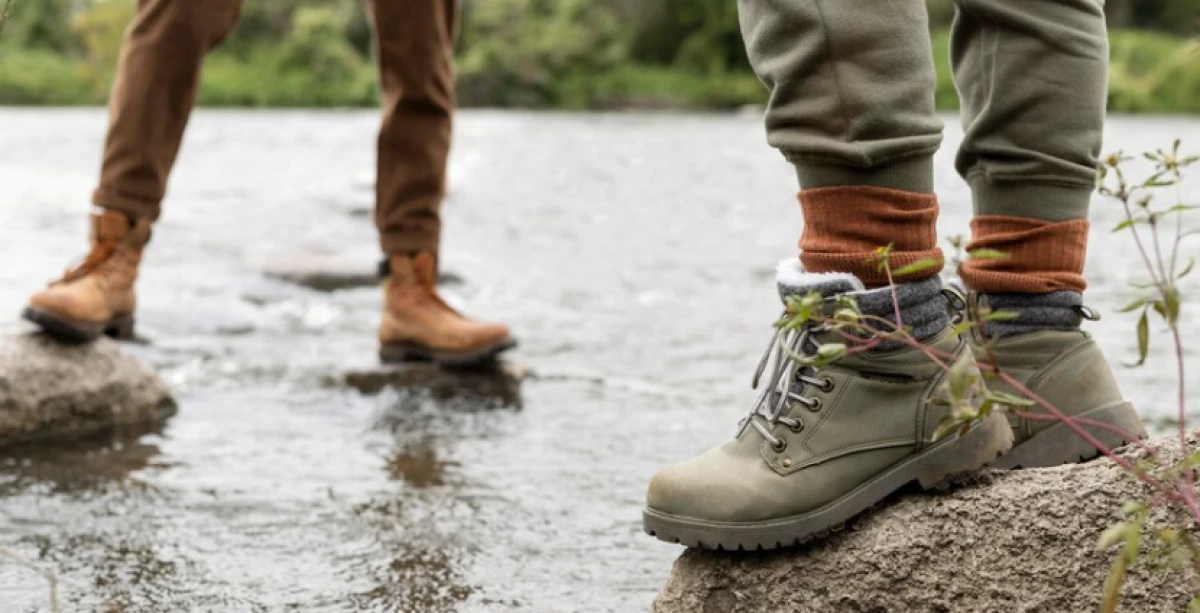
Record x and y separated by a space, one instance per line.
51 391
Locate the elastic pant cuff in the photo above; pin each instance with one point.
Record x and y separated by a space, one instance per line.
1047 202
914 174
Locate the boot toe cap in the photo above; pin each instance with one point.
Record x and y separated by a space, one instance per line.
707 490
61 303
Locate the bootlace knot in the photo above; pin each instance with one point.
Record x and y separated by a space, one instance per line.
787 358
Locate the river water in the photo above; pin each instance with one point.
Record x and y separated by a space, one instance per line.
631 253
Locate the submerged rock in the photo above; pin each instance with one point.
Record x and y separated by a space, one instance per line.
500 381
330 273
1020 541
52 391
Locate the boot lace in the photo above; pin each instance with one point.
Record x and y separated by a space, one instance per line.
789 379
99 254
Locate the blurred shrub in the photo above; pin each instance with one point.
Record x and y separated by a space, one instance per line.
1152 73
43 77
516 52
313 65
694 35
40 25
100 29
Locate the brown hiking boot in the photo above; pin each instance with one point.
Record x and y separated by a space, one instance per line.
419 326
96 297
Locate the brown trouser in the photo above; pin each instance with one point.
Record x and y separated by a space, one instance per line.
158 77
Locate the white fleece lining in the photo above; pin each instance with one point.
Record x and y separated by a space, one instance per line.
790 273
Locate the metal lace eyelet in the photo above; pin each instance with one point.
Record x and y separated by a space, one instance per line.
814 404
779 447
827 384
1087 312
797 427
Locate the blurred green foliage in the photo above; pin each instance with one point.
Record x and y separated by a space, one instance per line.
529 53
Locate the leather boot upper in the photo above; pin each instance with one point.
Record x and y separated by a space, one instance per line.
102 286
873 410
414 313
1066 368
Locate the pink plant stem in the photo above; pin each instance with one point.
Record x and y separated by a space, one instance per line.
895 296
1189 476
1137 239
1098 425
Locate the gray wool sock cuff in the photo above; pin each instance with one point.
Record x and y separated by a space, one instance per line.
1034 312
923 307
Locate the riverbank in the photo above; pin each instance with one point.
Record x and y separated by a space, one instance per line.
1151 73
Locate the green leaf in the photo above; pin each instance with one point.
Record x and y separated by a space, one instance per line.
1113 535
987 254
1001 316
1180 208
1143 338
1128 223
961 377
1171 304
916 267
1135 305
944 430
1133 508
1194 606
831 352
1112 585
1133 543
1159 183
1010 399
1187 270
847 316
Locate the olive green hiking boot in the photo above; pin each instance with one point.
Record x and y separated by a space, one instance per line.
822 445
1067 370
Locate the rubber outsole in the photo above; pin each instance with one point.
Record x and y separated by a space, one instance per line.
938 467
397 353
1059 444
69 331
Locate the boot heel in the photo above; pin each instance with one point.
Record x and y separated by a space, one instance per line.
121 328
954 459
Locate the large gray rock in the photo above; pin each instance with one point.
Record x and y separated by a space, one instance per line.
51 391
1021 541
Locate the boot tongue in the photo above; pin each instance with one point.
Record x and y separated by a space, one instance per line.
793 280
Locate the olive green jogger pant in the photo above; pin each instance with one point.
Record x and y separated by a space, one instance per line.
159 75
852 96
